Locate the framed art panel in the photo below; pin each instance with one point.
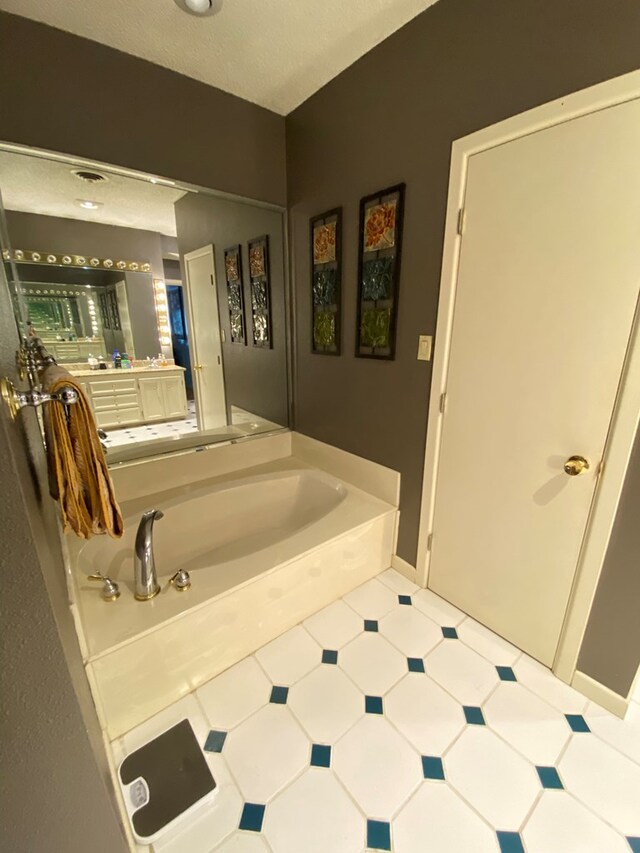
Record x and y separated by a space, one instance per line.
326 300
260 291
235 294
381 217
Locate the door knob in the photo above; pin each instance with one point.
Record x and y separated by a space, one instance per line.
576 465
198 366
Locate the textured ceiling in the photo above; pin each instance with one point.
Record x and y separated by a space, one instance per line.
275 53
35 185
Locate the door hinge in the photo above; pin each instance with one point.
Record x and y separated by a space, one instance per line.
212 281
443 402
461 220
429 541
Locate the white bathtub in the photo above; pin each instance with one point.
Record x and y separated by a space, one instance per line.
264 548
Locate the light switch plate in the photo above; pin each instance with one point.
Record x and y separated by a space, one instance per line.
424 347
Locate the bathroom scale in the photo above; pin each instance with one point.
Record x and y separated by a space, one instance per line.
164 780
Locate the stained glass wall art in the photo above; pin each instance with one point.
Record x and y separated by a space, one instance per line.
326 239
235 294
379 272
260 291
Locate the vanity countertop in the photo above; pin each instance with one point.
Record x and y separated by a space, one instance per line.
123 372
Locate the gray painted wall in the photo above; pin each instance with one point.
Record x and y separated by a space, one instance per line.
83 98
54 788
392 116
255 378
73 236
613 623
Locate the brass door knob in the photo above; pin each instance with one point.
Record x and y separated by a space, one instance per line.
198 366
576 465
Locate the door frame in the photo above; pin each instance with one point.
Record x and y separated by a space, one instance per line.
626 412
204 251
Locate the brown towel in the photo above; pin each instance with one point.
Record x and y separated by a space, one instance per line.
78 475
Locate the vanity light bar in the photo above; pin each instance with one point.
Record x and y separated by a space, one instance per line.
48 258
162 312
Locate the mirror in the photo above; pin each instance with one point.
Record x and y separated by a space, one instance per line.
166 303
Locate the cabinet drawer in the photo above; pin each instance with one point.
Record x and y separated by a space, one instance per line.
124 400
107 401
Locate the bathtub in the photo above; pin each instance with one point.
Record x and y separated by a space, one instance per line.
265 548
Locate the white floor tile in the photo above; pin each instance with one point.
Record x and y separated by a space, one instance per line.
242 842
542 681
234 695
428 717
560 824
437 820
372 663
215 821
491 776
489 645
335 625
326 703
290 656
314 815
534 728
604 780
372 600
266 752
410 631
621 734
437 608
462 672
377 766
397 582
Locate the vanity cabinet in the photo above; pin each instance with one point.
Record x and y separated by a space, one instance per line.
123 398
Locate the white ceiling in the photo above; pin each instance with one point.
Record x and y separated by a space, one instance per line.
34 185
275 53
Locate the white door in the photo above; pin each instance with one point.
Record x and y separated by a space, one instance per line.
204 337
547 286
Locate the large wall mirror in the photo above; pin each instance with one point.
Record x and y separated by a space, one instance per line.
167 303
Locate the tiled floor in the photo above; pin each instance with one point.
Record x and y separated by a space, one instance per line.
185 426
390 721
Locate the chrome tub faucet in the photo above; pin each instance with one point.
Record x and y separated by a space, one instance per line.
144 564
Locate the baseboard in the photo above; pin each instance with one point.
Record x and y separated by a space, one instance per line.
600 694
404 568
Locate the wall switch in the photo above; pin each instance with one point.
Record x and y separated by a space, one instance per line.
424 347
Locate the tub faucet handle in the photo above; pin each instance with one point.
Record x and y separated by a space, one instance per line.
110 590
181 580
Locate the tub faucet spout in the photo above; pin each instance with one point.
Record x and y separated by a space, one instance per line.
144 564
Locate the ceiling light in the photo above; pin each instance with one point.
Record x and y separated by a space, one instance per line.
200 7
88 205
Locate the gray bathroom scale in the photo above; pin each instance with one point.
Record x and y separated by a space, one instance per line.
164 780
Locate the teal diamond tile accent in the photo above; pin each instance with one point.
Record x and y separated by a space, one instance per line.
404 599
510 842
373 704
370 625
549 777
329 656
432 767
506 673
634 844
320 755
415 664
473 715
450 633
252 817
378 835
279 695
215 741
577 723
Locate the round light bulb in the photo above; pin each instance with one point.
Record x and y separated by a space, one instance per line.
199 7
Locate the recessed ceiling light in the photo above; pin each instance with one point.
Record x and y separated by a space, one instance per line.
200 7
88 205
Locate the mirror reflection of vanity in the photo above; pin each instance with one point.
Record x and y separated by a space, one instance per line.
129 290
